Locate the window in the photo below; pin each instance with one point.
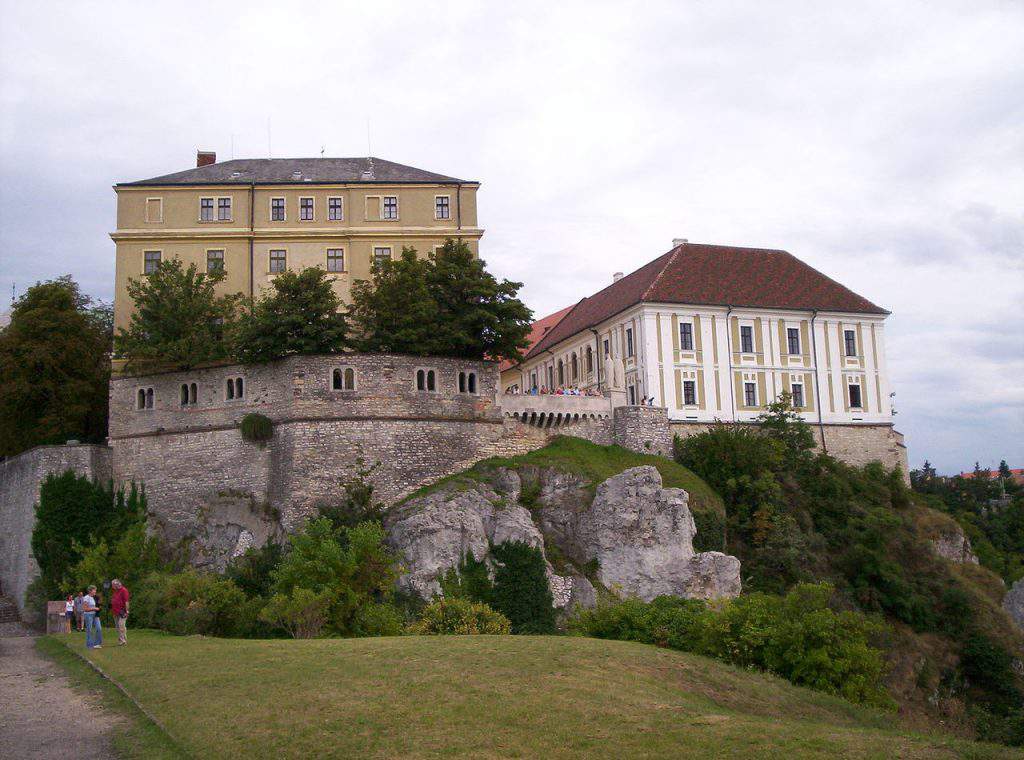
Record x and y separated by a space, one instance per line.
533 381
144 398
184 394
234 388
189 394
689 393
685 336
749 394
278 261
607 348
229 389
335 210
442 207
590 360
850 340
467 382
746 339
426 380
574 367
214 261
380 255
798 395
224 209
551 378
150 261
154 209
206 209
390 210
277 209
632 394
335 260
793 339
629 341
854 396
561 373
343 379
305 209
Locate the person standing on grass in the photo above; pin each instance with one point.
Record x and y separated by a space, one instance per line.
93 629
69 613
119 606
79 614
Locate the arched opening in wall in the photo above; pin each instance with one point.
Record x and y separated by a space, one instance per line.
561 373
149 398
141 400
239 388
193 394
574 367
229 389
350 379
336 380
184 394
462 382
421 380
471 382
590 360
431 380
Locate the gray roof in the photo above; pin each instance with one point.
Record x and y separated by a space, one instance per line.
270 171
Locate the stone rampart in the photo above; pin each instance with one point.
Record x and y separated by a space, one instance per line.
644 429
20 478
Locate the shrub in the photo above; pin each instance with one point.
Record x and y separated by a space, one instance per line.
191 602
377 619
521 592
470 580
460 617
131 558
252 571
358 504
257 428
303 613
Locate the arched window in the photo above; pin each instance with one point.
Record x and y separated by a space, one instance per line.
561 373
229 389
574 366
421 380
343 379
467 382
462 382
472 382
193 394
141 403
350 379
149 398
184 394
336 380
239 388
590 360
431 380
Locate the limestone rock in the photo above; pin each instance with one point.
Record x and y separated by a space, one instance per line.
955 546
1013 603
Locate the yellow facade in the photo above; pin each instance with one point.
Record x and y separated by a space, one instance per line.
169 219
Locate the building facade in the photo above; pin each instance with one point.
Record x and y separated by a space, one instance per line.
254 218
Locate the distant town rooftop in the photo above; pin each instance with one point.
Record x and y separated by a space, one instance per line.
288 171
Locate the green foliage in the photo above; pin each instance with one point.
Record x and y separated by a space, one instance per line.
252 571
299 316
796 636
54 368
131 556
521 592
377 619
460 617
257 427
446 305
780 422
470 580
303 613
191 602
179 320
357 504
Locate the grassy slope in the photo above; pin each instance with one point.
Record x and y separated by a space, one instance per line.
486 697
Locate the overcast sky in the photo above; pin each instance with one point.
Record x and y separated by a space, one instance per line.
881 142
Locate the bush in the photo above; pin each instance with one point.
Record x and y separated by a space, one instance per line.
470 580
375 619
303 613
521 592
460 617
191 602
257 428
252 571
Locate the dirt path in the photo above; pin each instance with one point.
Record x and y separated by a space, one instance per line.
41 715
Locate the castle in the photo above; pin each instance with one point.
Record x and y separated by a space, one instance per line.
415 419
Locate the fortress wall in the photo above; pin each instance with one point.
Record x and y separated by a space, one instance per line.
20 478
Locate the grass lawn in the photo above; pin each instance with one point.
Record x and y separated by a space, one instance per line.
488 697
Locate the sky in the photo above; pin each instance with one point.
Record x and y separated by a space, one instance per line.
882 143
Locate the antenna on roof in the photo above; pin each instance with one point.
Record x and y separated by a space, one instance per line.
322 149
232 147
369 150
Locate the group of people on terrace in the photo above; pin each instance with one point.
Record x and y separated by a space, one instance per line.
559 391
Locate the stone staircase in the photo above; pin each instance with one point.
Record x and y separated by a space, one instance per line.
8 610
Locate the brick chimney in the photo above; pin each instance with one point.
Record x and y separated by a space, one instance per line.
205 158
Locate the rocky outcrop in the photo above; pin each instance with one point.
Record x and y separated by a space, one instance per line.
1013 603
631 536
953 545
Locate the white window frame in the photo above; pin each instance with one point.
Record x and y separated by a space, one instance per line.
270 260
448 208
803 395
341 208
860 394
160 207
383 208
223 257
343 262
693 340
148 398
213 208
427 371
312 208
343 368
373 254
752 384
856 347
630 343
799 341
284 209
753 339
693 385
231 207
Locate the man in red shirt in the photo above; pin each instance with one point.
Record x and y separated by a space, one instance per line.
119 606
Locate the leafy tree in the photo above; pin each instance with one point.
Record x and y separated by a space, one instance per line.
521 592
358 503
781 422
303 612
397 310
252 571
299 316
179 320
54 368
470 580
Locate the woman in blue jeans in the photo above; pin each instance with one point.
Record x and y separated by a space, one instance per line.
93 629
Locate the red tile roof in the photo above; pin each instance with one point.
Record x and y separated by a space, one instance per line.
539 329
713 275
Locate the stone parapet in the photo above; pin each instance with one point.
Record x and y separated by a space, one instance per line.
644 429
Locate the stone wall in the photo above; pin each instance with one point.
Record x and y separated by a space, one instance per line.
644 429
20 478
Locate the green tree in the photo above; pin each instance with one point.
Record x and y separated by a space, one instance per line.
299 316
179 320
54 368
521 592
781 422
396 311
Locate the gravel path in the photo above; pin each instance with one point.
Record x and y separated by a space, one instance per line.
41 715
